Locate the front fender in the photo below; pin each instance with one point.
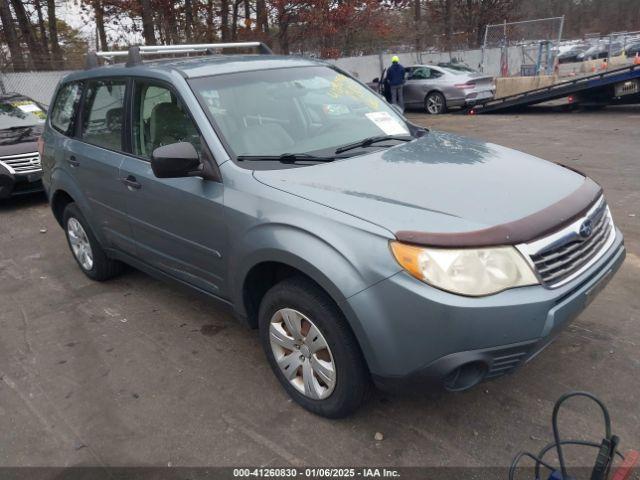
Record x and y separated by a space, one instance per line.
299 249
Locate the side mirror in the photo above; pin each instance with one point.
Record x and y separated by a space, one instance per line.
176 160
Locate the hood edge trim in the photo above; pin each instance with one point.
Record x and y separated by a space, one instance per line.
524 230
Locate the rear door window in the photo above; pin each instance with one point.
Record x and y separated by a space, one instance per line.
64 107
103 113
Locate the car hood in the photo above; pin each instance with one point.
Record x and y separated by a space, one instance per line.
440 183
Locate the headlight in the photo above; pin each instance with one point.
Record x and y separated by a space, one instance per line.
466 271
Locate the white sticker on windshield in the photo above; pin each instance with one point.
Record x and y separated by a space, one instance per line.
386 123
29 107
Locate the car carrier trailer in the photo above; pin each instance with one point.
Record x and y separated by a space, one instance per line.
618 86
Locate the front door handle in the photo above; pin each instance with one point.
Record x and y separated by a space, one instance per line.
131 182
72 161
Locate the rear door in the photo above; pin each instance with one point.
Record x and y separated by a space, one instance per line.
94 157
178 223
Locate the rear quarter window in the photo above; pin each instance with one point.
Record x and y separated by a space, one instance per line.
64 107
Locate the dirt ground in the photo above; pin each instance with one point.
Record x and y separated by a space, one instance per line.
135 372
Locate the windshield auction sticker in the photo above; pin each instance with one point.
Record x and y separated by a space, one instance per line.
30 107
386 123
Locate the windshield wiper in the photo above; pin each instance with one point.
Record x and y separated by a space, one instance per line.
287 158
367 142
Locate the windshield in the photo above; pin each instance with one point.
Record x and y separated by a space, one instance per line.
20 112
294 110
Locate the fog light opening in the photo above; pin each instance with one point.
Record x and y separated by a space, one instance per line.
465 376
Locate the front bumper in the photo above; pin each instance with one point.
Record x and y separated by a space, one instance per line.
414 335
12 184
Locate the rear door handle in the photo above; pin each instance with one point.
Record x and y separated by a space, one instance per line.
72 161
131 182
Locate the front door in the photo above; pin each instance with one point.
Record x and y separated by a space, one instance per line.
178 223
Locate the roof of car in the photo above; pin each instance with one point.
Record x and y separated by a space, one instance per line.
202 66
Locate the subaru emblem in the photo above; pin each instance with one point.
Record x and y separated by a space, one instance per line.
586 229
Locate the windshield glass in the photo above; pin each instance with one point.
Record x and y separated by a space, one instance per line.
20 112
294 110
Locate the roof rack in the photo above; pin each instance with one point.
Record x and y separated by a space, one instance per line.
135 53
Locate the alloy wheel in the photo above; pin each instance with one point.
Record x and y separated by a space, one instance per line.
435 104
80 245
302 353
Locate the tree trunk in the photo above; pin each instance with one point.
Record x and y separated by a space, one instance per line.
234 20
147 23
283 31
188 16
44 41
417 19
98 12
210 33
224 20
261 16
53 34
448 24
11 36
172 27
26 29
247 14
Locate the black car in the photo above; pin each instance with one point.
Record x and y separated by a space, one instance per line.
21 123
573 54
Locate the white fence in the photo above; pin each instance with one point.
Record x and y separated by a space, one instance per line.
368 67
41 85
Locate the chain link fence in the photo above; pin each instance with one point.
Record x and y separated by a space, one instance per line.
39 86
531 44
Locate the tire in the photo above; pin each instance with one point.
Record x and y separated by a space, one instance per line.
81 239
435 103
306 305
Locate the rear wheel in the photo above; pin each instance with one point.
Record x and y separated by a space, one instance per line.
85 248
435 103
311 350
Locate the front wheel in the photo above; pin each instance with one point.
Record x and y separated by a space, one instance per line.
435 103
311 349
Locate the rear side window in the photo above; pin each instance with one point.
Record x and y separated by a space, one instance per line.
159 118
64 107
103 113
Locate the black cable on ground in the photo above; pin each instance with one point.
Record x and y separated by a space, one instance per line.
608 447
554 423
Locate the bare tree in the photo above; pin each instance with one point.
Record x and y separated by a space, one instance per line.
44 40
210 32
11 36
224 20
147 22
26 30
53 33
262 20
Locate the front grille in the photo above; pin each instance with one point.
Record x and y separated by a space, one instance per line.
23 163
565 254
